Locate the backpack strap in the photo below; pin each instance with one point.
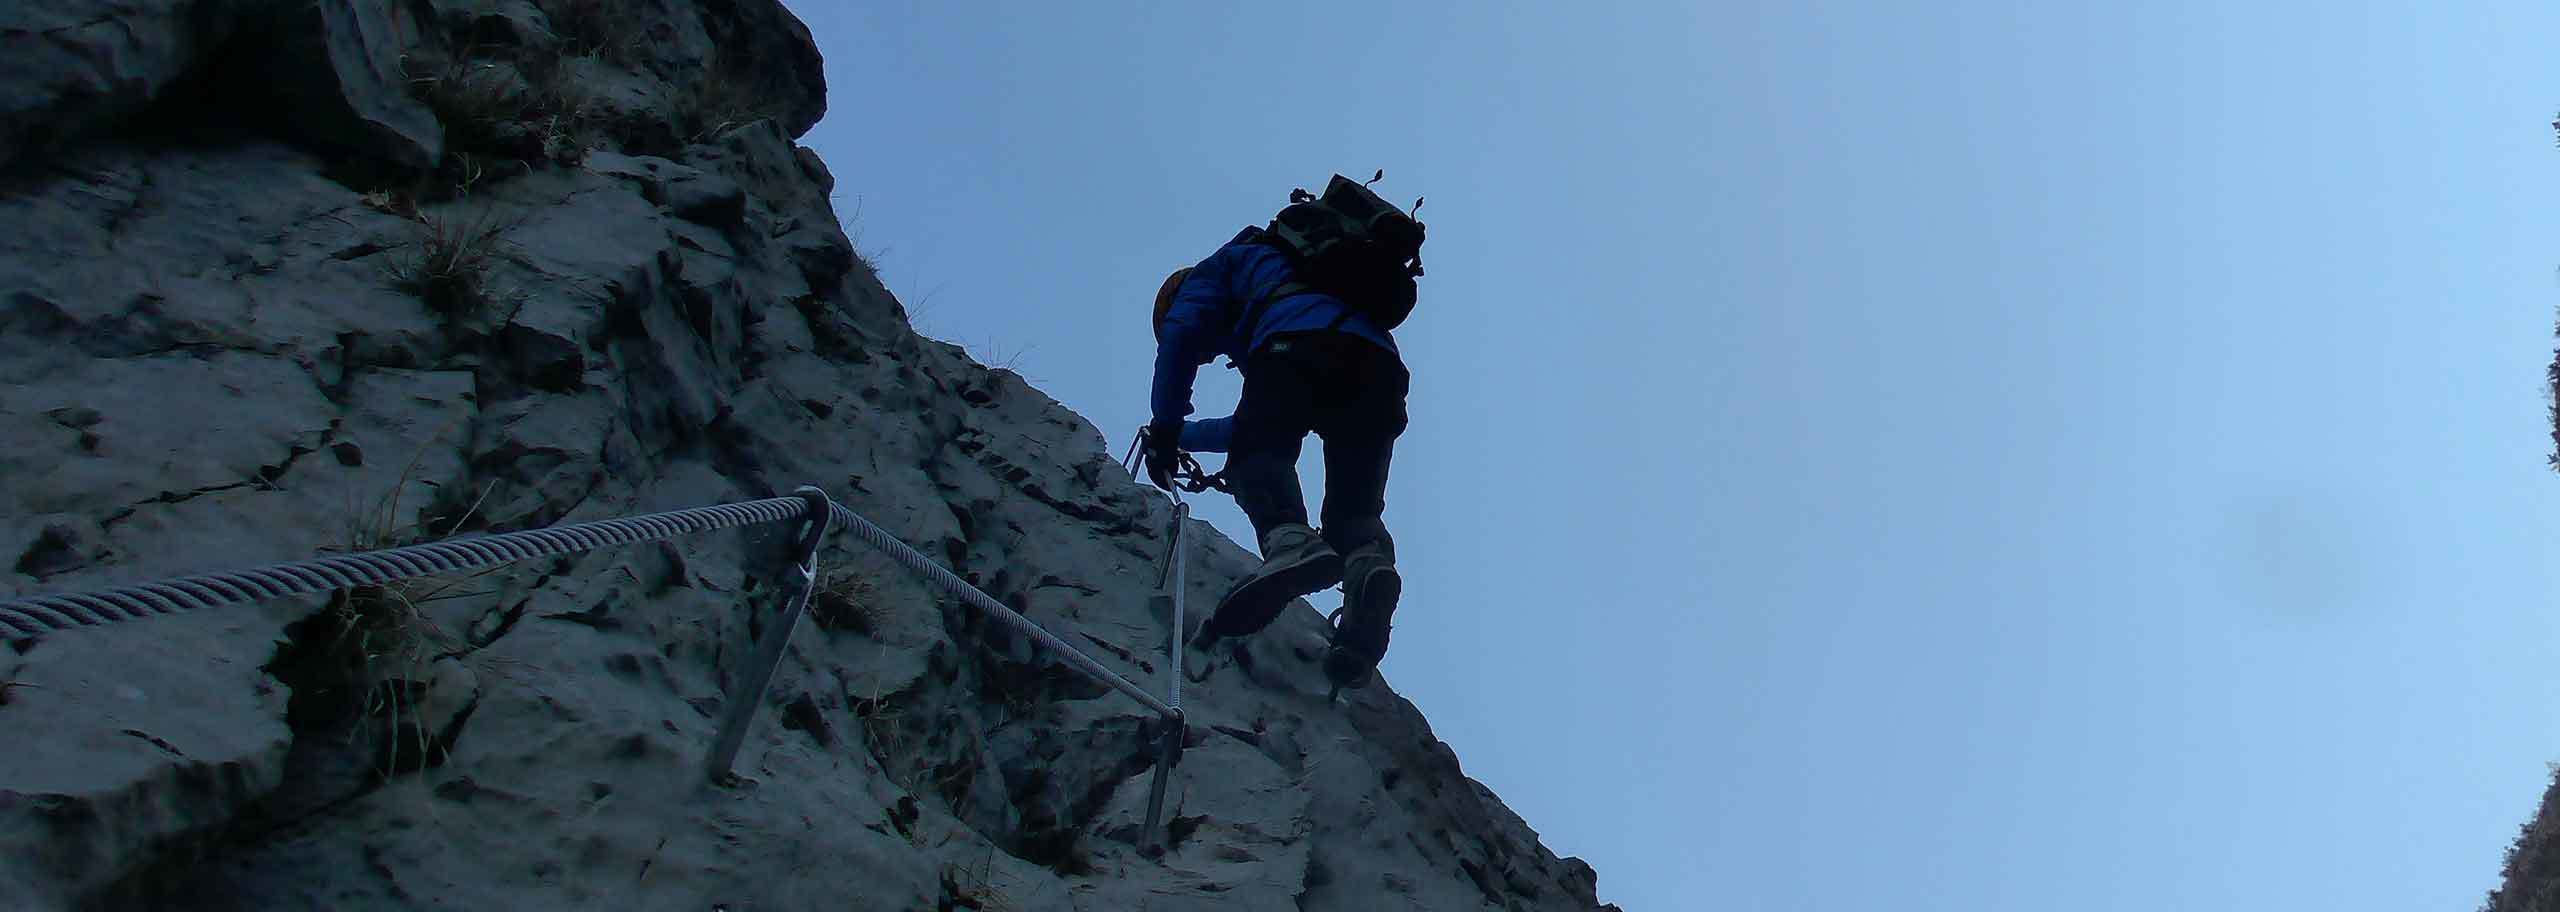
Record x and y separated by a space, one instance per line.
1252 318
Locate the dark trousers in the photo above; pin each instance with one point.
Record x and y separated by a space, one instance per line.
1342 388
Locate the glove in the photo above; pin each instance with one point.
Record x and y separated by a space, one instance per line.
1161 443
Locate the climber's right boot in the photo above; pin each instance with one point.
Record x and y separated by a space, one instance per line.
1295 562
1370 588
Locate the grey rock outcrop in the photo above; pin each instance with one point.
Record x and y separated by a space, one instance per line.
71 68
495 265
2530 879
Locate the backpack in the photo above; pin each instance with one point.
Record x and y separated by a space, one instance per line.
1352 245
1347 243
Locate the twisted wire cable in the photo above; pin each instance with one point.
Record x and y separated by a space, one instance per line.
31 615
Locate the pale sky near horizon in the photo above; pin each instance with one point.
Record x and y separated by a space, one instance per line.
1953 456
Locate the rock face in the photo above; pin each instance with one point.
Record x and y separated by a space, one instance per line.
2531 882
293 277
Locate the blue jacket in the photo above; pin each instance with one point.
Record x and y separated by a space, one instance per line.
1201 324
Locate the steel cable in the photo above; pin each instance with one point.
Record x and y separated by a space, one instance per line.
916 561
31 615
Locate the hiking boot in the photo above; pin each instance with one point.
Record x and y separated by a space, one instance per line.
1370 589
1295 561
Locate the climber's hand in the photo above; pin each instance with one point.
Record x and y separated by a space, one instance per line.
1162 444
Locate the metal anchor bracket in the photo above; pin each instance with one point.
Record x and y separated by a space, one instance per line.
740 712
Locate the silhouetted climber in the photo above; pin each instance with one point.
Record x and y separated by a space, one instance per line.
1304 307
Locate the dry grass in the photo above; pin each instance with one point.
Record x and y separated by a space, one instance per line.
977 886
380 641
995 354
605 28
516 108
389 642
849 603
899 741
474 98
449 267
721 98
884 732
494 110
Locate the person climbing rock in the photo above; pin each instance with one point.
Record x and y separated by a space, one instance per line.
1306 308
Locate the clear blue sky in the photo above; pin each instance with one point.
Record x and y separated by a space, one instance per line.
1948 456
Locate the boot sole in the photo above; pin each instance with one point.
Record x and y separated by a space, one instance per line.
1260 600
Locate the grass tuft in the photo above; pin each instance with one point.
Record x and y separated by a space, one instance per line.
449 269
604 28
720 98
518 115
370 653
977 886
849 602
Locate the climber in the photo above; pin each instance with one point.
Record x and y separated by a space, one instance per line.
1304 307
